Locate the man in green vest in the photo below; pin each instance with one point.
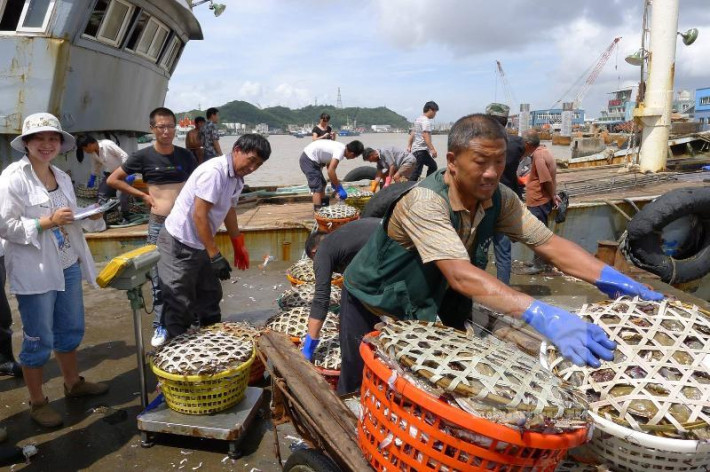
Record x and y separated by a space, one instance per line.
425 257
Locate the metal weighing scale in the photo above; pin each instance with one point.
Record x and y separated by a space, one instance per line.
129 272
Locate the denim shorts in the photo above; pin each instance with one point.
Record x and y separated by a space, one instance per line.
52 321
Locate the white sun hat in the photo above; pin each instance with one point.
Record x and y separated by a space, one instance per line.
39 122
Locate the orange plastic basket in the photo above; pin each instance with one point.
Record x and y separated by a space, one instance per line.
328 225
406 429
330 376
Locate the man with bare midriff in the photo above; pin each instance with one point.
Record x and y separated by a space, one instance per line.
164 168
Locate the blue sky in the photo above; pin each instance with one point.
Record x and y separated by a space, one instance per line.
401 53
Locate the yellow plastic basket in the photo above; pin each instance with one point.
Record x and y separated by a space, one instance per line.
204 394
359 202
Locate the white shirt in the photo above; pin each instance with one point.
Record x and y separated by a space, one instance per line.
323 150
109 158
32 257
421 125
213 181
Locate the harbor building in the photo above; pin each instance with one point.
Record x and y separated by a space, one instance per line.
702 107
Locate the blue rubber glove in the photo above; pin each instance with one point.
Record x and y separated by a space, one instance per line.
309 347
615 284
578 341
341 192
130 179
91 182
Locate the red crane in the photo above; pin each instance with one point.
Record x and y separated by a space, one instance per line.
596 70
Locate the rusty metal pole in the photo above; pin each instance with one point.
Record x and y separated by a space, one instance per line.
655 111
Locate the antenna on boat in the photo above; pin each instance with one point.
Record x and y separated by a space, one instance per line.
217 8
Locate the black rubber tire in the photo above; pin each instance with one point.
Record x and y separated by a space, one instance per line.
378 204
309 460
360 173
643 242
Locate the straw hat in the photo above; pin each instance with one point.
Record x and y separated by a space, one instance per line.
39 122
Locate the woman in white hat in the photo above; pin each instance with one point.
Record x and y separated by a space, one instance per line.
46 257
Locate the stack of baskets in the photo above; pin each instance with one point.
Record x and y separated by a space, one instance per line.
358 198
302 273
294 323
333 217
651 404
295 304
503 411
204 372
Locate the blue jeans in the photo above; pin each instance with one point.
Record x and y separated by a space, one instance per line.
502 250
155 224
52 321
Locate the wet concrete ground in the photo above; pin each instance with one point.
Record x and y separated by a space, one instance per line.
100 433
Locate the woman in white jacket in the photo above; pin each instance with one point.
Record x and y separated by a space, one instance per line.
46 257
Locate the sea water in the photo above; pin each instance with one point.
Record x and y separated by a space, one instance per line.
282 168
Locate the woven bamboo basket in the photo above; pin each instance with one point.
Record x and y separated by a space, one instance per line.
239 329
358 198
294 322
205 372
327 358
302 295
302 273
651 404
333 217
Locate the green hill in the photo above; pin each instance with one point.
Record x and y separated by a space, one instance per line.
280 117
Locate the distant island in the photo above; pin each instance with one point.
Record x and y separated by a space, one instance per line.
285 119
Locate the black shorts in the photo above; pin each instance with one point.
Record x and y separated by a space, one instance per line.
314 174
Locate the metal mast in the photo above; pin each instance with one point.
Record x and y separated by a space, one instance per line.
339 103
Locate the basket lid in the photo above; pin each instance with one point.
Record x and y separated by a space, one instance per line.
302 295
659 380
334 212
235 328
294 322
496 376
203 352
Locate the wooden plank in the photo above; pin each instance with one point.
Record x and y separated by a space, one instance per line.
333 421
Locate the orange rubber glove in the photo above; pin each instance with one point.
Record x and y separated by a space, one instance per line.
241 255
373 186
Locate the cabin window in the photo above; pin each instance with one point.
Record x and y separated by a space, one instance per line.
97 14
705 100
172 54
152 39
137 30
109 21
35 15
115 23
10 12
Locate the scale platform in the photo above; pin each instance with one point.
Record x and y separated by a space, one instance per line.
228 425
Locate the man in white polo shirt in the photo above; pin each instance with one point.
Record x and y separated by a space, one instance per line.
191 265
323 153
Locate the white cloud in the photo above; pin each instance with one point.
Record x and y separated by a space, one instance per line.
401 53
